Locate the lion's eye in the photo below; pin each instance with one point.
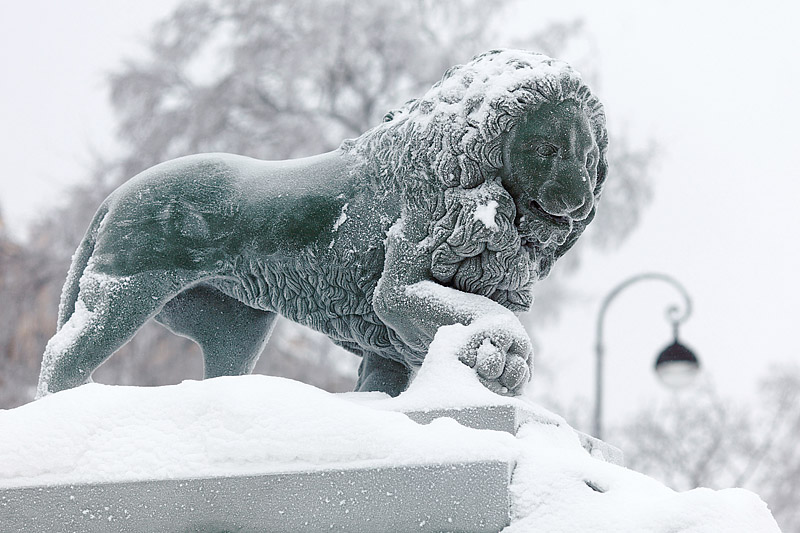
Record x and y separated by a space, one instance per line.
590 161
546 150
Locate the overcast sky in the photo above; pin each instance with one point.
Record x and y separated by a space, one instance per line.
54 111
714 83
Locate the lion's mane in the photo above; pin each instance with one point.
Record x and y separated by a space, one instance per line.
444 154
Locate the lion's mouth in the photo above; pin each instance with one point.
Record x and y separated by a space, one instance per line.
541 229
540 211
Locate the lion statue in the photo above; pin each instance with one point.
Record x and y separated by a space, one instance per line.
447 212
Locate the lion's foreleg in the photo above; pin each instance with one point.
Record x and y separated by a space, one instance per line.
381 374
415 307
413 315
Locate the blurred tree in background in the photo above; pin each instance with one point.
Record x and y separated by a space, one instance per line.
272 80
702 440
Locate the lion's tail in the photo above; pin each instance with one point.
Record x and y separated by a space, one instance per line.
80 259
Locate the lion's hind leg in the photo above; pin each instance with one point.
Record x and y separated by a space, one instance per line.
108 312
230 333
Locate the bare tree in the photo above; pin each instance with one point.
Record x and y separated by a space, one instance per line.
702 440
273 80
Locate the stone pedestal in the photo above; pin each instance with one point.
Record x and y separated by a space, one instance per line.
509 418
459 496
416 498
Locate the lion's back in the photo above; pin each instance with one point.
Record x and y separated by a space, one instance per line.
176 215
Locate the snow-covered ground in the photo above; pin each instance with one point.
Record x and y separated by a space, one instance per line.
259 424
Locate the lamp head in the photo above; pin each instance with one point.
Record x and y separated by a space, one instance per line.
677 366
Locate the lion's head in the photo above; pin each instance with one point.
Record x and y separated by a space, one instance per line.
508 154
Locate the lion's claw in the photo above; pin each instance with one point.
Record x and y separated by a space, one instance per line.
501 362
490 360
515 373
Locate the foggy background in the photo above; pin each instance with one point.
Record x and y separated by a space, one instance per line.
703 185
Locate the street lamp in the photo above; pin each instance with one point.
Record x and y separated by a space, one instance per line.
676 366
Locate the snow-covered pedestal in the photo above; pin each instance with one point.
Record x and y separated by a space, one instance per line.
509 417
403 498
256 453
250 453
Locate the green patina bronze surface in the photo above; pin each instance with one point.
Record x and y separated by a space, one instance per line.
447 212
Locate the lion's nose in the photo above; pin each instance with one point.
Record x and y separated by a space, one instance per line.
564 200
582 211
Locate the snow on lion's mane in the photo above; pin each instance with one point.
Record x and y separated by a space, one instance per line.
444 153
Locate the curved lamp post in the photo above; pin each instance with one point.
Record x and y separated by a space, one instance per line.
676 365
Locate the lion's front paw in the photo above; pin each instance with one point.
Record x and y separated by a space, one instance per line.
502 360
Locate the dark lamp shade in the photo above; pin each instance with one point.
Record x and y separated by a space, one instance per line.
677 366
